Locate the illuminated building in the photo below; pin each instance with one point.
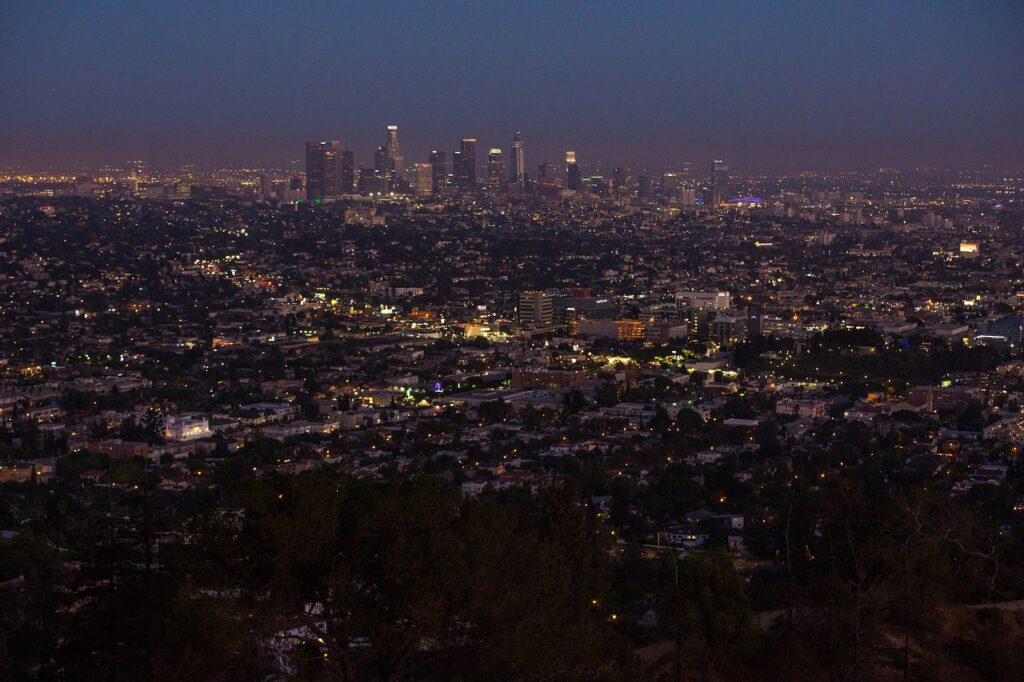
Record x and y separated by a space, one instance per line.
324 170
727 330
439 173
548 180
671 185
517 167
373 182
424 179
396 162
381 163
719 182
619 178
347 172
643 186
618 330
464 165
536 307
572 171
495 170
186 428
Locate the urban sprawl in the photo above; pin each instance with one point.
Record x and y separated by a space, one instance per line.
456 415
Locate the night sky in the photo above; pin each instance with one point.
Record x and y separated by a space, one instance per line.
785 83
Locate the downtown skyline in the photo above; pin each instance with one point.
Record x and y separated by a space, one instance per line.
797 85
608 341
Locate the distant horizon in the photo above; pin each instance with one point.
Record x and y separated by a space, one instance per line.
736 166
791 84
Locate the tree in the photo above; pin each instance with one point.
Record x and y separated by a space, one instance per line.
706 614
688 420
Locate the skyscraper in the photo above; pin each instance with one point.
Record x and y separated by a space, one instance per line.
372 182
396 162
643 185
465 166
517 161
457 170
572 171
440 172
347 173
619 178
548 178
671 185
719 182
495 171
424 179
324 170
381 162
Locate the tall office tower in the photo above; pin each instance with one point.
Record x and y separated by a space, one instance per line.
373 182
468 156
348 172
536 307
424 179
396 162
495 171
517 161
619 178
458 171
548 173
688 170
440 172
381 163
323 170
469 162
573 179
643 185
549 179
266 187
671 185
719 182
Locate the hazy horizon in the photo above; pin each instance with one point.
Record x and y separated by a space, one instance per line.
791 85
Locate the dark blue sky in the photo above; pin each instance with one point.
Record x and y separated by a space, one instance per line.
795 83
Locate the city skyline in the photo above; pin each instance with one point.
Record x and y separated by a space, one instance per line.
797 85
529 341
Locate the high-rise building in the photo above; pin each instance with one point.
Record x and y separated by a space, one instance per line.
458 172
643 185
396 162
619 178
465 169
517 161
548 178
381 162
671 185
719 182
348 172
324 170
573 180
440 172
373 182
536 307
424 179
495 171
